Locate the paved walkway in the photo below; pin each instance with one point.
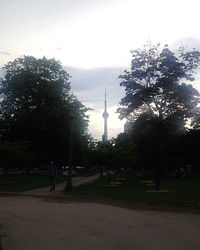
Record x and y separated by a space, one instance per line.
30 223
77 181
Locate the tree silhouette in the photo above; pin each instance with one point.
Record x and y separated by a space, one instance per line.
158 84
36 106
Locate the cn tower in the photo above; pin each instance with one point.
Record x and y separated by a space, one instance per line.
105 116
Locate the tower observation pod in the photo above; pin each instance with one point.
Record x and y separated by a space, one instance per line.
105 116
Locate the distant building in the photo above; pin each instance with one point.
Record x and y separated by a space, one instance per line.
105 116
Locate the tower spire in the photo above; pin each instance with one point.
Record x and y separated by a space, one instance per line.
105 116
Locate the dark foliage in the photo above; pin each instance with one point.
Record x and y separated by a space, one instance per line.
159 101
155 83
37 108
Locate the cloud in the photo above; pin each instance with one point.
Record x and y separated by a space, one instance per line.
89 85
187 42
5 53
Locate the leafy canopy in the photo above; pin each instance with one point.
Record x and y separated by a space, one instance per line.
32 83
157 83
36 107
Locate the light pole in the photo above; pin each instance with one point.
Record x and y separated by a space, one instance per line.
69 184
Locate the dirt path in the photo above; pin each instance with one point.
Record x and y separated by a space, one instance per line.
77 181
35 223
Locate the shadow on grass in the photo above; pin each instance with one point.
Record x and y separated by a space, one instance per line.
23 183
182 193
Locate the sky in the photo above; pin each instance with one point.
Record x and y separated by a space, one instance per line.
93 39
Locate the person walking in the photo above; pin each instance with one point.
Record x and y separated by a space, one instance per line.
53 172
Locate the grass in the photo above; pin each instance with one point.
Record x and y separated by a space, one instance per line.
22 183
181 192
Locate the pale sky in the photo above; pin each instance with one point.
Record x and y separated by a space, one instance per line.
93 39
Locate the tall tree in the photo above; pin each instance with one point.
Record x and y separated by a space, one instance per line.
155 83
36 106
158 84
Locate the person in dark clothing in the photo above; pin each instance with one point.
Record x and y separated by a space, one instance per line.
53 172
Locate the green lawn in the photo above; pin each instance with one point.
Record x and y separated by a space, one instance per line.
181 192
23 183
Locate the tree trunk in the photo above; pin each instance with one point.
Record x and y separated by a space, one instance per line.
159 150
101 172
157 179
69 184
5 170
108 175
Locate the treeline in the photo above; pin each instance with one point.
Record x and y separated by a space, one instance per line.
138 150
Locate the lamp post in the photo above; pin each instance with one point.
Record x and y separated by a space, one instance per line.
69 184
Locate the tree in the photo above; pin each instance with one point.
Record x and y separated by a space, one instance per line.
157 84
188 148
15 155
36 106
124 154
103 153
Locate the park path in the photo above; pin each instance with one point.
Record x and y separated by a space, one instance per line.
77 181
30 223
